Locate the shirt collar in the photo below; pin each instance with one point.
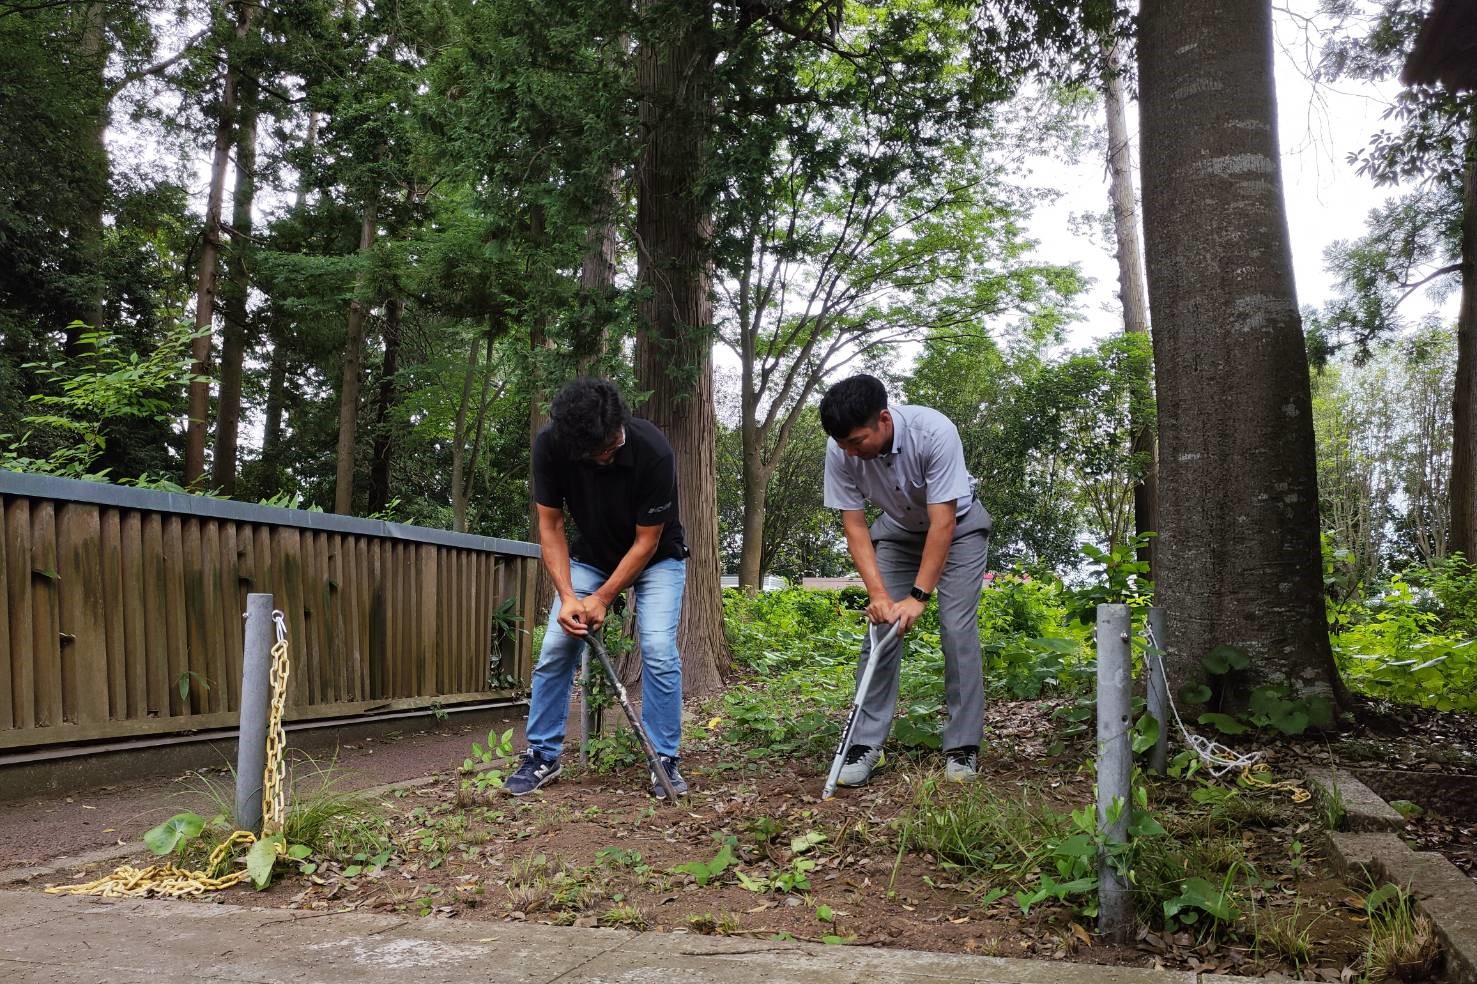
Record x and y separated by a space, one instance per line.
899 430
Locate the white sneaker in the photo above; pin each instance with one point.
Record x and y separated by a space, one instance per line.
861 762
961 765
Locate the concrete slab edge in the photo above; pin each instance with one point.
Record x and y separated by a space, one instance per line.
1362 807
1440 890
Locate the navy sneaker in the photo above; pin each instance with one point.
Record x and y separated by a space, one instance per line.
679 785
534 773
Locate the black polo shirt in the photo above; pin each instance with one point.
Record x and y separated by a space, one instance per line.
639 486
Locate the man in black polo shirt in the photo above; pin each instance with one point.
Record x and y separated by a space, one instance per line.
617 476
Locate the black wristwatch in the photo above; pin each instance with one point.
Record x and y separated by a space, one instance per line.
918 594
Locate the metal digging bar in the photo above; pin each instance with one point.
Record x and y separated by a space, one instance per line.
598 648
856 706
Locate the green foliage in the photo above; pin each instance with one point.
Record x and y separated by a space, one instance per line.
1185 867
87 397
1049 438
179 829
1269 707
803 646
1414 644
480 768
705 871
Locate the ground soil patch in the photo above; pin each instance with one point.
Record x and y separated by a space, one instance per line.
597 850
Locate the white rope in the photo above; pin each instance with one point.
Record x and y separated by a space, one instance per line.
1219 760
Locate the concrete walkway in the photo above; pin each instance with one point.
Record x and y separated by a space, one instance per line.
48 940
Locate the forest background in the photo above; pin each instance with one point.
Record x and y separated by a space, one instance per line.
337 255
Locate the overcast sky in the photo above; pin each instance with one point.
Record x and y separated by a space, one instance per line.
1319 126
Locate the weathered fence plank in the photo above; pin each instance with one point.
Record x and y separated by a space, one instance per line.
112 600
112 613
17 517
46 632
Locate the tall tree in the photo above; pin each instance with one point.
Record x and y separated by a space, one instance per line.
1434 139
238 279
1131 291
353 362
233 29
674 63
1239 551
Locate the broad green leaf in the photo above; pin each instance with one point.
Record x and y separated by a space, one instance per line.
1224 723
1145 733
1194 693
1224 659
807 840
181 827
262 858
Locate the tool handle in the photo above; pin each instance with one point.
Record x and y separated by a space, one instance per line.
856 703
652 759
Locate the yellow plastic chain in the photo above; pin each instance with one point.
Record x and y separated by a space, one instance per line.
274 781
171 881
1253 776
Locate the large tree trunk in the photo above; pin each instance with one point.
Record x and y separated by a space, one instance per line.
460 465
1239 553
210 244
348 407
1130 283
1462 488
382 456
756 502
674 345
87 252
597 278
238 286
277 329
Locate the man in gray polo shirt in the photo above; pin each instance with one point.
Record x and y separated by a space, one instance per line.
932 536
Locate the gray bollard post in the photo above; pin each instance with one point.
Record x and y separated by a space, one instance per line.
1158 691
256 706
1114 763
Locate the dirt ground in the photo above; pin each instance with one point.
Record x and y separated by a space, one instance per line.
598 850
43 828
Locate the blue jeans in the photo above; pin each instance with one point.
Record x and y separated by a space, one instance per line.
658 609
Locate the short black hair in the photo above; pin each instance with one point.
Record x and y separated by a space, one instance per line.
854 402
585 415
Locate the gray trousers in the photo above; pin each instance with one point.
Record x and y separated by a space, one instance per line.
899 554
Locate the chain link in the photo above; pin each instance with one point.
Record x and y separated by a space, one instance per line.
274 781
171 881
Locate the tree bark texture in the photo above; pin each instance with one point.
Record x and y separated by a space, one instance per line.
87 256
381 458
674 267
1462 489
1130 282
1239 550
597 277
348 406
210 244
237 288
278 328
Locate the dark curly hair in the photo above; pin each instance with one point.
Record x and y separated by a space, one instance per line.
854 402
586 414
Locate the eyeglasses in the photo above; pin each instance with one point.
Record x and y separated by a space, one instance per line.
611 448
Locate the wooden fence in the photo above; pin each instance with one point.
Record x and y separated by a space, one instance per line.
121 611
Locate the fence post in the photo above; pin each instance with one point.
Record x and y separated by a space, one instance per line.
256 702
1114 764
1158 690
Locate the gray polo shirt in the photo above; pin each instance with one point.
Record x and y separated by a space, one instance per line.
925 465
